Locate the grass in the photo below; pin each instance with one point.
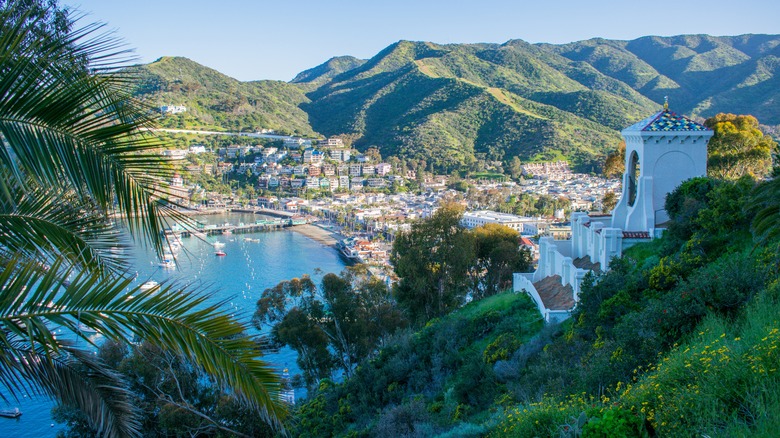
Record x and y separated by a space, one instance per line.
723 381
644 250
488 175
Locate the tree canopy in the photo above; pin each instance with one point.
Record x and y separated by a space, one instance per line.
331 327
738 147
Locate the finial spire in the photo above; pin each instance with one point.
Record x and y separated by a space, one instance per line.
666 103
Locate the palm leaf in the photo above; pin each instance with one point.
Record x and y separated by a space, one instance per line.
67 128
171 317
766 201
42 224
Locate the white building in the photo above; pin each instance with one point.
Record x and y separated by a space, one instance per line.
173 109
662 151
332 142
383 169
340 154
174 154
197 149
473 219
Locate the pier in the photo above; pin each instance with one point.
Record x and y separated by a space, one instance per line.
280 219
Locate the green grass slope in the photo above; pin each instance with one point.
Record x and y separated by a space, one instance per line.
422 381
217 101
322 73
445 104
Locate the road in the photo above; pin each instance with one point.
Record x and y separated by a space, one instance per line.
239 134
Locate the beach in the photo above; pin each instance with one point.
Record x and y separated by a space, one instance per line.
318 234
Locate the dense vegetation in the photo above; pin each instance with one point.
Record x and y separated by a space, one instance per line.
680 336
450 104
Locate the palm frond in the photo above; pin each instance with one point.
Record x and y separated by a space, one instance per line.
43 224
766 203
171 317
65 127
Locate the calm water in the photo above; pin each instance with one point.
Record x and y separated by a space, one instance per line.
242 275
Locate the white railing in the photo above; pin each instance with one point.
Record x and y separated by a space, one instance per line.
522 282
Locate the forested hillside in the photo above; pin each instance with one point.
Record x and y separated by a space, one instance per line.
455 105
680 338
217 101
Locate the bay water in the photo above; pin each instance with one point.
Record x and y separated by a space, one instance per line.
249 267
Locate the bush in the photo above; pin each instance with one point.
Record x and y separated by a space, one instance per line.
614 422
500 349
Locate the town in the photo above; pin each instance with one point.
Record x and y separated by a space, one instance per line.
366 202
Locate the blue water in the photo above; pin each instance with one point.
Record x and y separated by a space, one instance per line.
242 275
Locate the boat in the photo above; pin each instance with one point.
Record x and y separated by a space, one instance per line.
249 239
220 253
10 413
83 328
168 263
151 284
219 244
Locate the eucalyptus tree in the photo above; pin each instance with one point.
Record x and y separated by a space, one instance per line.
75 152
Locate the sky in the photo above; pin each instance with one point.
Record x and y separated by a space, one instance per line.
277 39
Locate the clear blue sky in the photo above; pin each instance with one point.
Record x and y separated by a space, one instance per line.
262 39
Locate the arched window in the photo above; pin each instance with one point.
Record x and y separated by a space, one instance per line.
633 178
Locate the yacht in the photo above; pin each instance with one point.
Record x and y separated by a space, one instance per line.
151 284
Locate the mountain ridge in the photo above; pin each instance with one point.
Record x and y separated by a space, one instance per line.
451 106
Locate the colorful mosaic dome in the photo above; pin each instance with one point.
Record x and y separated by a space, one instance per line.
669 121
666 120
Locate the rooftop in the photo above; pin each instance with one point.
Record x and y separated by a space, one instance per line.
665 121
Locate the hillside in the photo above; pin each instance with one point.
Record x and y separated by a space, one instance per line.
447 103
317 76
461 105
679 338
217 101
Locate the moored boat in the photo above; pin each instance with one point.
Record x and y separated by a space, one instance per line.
220 253
151 284
10 413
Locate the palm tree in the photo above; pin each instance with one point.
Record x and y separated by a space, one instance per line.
74 150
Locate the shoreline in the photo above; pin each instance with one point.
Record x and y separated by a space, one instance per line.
319 234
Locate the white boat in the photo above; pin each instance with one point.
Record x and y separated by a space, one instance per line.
10 413
83 328
219 244
168 263
151 284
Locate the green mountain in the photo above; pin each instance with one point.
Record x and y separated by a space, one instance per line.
317 76
464 104
217 101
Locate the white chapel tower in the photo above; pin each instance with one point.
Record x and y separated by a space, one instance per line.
662 151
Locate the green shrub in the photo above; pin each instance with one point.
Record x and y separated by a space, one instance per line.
502 348
613 422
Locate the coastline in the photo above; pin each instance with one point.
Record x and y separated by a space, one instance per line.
319 234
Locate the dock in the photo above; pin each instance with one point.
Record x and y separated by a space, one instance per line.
280 219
